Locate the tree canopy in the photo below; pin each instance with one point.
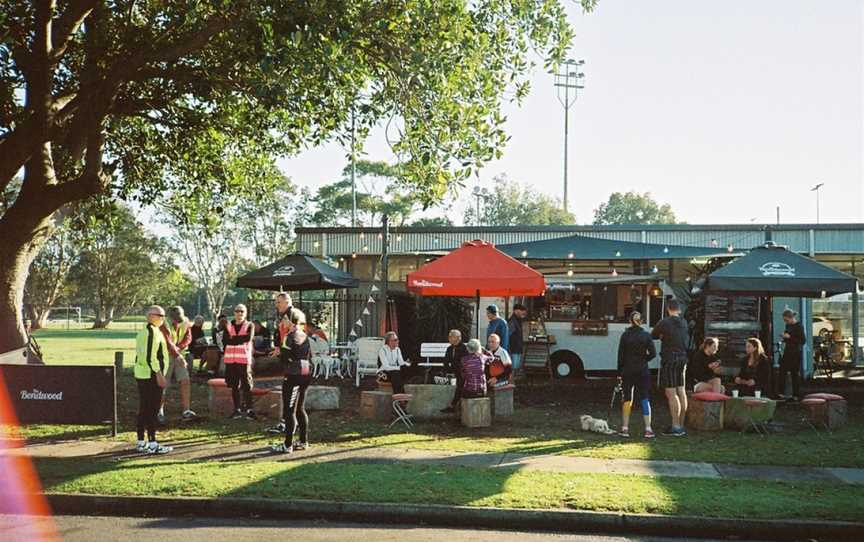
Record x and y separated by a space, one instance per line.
633 208
379 190
140 98
511 204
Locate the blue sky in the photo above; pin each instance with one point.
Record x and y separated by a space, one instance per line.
725 110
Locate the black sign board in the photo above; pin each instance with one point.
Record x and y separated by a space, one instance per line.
62 394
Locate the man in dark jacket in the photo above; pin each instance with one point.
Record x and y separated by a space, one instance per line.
453 365
793 339
517 340
635 350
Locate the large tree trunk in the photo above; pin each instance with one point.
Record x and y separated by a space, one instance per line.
104 317
16 255
41 319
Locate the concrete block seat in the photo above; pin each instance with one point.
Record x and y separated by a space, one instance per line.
502 400
219 402
826 409
705 411
738 414
429 399
376 405
476 412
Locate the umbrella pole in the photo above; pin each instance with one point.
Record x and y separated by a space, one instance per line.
477 313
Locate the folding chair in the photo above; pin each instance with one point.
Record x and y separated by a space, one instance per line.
400 412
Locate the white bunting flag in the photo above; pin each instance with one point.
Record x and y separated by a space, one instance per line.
374 288
352 334
370 300
366 311
359 323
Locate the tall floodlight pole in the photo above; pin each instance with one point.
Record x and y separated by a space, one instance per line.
567 78
353 172
816 189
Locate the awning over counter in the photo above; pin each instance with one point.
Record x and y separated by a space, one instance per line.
580 247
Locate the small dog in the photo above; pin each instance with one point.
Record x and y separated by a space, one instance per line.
594 425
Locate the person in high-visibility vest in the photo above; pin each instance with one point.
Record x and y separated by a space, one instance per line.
178 337
151 365
238 362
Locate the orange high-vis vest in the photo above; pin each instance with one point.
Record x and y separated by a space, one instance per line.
238 353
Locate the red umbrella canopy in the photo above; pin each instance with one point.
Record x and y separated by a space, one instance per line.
477 266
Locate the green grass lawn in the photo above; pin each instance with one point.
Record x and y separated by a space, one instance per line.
455 485
546 421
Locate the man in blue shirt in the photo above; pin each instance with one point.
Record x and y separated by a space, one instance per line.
498 326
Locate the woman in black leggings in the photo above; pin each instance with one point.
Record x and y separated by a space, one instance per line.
295 354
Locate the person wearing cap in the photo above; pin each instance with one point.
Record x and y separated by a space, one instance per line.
516 341
178 337
498 326
790 363
151 366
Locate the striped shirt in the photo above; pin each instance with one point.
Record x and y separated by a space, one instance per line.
474 373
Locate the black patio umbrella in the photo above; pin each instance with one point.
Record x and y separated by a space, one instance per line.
297 272
773 271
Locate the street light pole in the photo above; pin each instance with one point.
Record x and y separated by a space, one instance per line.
816 189
479 193
353 172
567 77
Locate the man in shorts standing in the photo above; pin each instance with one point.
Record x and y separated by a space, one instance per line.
178 335
674 335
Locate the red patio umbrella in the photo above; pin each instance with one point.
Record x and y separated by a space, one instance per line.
476 269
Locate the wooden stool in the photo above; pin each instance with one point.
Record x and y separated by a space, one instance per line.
476 412
267 402
219 401
399 410
376 405
502 400
830 414
705 411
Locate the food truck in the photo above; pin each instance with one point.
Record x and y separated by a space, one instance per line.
579 321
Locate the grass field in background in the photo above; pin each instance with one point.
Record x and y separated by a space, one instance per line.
423 484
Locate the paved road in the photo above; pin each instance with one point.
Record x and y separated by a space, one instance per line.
95 529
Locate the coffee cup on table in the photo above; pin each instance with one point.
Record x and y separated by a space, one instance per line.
758 394
734 393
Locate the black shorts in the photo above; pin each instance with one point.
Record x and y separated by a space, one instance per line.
673 367
238 375
639 382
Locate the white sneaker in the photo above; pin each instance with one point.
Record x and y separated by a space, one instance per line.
141 447
154 448
189 415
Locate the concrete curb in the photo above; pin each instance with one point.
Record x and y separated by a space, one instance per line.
455 516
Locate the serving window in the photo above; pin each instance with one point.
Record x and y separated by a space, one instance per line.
607 302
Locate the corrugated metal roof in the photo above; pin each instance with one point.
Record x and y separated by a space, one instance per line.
826 238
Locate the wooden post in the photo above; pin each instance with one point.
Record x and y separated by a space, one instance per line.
118 370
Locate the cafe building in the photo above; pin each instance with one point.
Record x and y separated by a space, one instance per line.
597 275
